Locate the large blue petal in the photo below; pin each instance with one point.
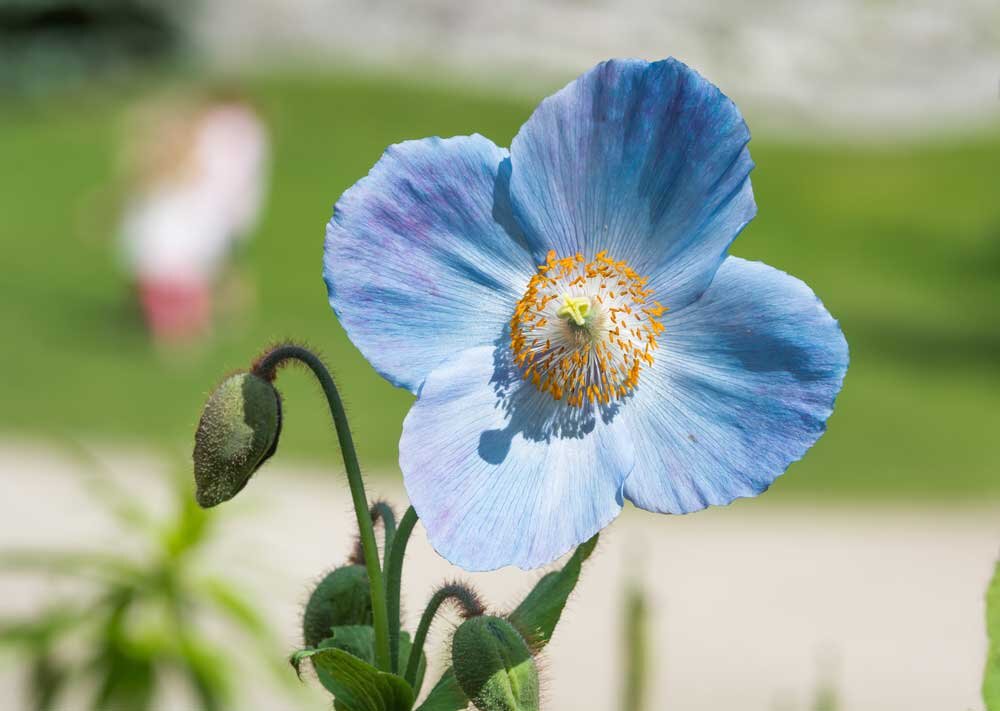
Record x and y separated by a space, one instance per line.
418 263
502 474
742 385
646 161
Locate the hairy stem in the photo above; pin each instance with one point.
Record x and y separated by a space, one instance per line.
266 368
394 580
384 513
467 601
379 511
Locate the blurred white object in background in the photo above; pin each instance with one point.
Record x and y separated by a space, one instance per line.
199 179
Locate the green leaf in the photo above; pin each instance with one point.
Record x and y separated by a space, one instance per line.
45 629
535 619
127 681
446 695
537 616
46 680
991 676
83 564
359 640
102 486
237 607
356 684
207 672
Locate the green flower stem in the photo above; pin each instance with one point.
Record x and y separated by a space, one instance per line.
388 518
266 368
394 580
470 605
636 643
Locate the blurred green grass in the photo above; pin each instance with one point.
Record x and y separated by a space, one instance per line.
902 242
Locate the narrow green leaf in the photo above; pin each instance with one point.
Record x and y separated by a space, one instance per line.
356 684
83 564
446 695
537 616
236 606
207 671
46 680
45 629
127 683
991 676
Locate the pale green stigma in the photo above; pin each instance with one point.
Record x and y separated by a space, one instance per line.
574 307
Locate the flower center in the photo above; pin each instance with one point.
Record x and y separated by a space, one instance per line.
584 330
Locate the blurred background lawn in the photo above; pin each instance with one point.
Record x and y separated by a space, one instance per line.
900 238
877 141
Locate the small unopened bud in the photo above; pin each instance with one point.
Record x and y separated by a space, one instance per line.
343 597
238 431
493 665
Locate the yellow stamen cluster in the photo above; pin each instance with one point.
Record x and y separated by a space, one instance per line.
583 331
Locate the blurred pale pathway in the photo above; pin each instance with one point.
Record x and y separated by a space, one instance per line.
833 66
755 606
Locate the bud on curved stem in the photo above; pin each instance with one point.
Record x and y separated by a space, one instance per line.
467 601
266 368
493 665
238 431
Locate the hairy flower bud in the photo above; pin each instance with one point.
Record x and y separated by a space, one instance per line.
238 431
343 597
493 665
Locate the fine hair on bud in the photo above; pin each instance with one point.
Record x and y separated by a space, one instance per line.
494 666
342 597
238 431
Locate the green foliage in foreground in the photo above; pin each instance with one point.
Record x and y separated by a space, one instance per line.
141 621
901 242
493 665
991 675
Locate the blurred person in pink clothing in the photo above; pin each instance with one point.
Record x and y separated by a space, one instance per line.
197 181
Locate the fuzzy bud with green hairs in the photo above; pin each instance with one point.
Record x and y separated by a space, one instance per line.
343 597
494 666
238 431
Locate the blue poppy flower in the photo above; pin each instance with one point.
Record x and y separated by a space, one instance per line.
570 322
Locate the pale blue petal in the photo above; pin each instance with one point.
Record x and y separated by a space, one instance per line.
502 474
646 161
742 385
417 262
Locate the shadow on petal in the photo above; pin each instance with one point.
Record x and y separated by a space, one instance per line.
534 414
